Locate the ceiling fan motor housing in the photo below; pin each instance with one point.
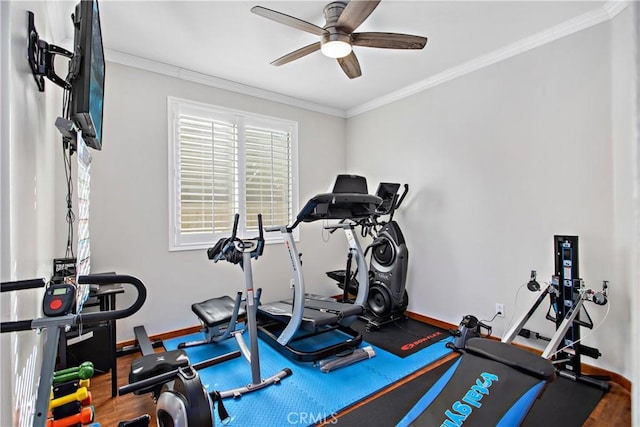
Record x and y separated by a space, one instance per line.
336 36
332 12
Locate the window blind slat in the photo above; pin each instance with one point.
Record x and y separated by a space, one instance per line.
209 168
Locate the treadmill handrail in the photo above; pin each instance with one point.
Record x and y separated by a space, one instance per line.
297 310
332 206
298 305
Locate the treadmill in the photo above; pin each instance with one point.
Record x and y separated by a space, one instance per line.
308 328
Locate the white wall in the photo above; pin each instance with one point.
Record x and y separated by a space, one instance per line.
632 24
499 161
625 120
29 146
129 207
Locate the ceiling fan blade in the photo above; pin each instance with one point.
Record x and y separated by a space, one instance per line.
290 21
389 40
297 54
350 65
355 13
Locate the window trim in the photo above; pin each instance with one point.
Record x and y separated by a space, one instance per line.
175 105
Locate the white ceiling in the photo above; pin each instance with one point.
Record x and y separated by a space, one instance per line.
223 39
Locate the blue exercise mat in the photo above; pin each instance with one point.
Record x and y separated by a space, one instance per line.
307 397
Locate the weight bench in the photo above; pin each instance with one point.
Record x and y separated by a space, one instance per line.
492 384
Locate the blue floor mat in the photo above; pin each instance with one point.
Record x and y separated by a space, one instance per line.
308 396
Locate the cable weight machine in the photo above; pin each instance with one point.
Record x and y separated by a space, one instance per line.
567 294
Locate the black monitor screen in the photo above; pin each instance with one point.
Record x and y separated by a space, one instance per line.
387 192
87 92
350 184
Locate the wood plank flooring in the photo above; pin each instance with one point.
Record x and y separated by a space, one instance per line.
613 410
110 411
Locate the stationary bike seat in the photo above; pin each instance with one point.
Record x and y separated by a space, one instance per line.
216 311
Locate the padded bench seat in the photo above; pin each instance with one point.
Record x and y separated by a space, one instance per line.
512 356
216 311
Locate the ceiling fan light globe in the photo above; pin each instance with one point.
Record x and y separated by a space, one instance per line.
336 49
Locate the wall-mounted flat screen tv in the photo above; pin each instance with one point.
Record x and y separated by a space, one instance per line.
87 87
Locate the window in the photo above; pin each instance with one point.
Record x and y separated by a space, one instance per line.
223 162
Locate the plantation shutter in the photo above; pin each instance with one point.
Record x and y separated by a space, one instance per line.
268 171
223 162
208 165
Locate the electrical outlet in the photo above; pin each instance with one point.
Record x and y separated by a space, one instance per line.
499 310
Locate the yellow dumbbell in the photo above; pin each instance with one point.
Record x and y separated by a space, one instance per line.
80 395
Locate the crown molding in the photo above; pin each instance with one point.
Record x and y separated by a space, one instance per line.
208 80
614 7
581 22
601 14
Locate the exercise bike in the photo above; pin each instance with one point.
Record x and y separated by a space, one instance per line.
181 399
241 251
387 298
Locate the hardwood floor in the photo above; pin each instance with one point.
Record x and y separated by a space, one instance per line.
110 411
613 410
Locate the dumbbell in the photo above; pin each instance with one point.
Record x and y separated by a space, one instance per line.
80 395
85 416
83 371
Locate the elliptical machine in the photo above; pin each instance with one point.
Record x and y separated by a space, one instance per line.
387 299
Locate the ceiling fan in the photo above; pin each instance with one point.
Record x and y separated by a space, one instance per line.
337 35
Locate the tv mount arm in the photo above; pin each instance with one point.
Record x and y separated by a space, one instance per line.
41 56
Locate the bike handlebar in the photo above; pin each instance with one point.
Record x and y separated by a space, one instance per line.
227 249
21 284
98 279
112 279
20 325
